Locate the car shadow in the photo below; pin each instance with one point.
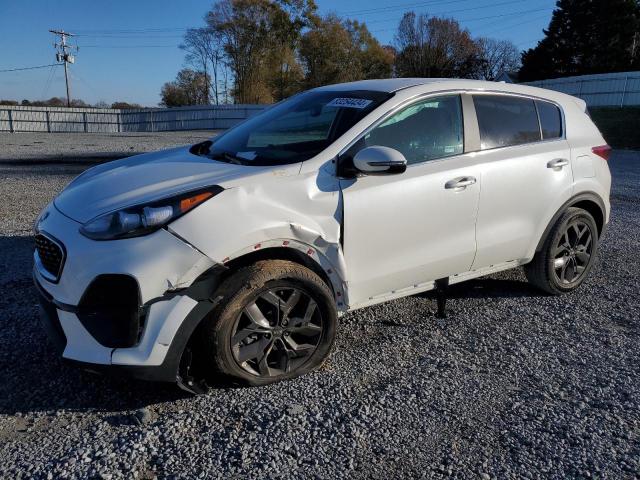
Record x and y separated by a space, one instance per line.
32 376
488 288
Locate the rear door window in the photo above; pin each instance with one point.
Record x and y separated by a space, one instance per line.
550 120
505 121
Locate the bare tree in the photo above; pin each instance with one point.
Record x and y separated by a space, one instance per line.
197 44
243 26
497 56
434 47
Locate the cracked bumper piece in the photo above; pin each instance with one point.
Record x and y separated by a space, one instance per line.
168 327
130 308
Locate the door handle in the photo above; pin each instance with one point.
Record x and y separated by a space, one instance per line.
460 183
558 163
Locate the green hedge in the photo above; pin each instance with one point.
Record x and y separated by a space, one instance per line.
619 126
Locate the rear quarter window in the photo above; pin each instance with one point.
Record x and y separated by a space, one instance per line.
550 120
505 121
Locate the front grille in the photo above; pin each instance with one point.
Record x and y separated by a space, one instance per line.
50 254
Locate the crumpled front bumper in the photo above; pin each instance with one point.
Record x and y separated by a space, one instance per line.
164 271
64 328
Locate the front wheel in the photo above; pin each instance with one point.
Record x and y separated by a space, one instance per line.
277 320
567 254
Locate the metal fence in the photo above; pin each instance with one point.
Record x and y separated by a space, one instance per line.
603 90
107 120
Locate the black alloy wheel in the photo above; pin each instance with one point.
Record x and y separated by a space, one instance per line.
277 332
573 252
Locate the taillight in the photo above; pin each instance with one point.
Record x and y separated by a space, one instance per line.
603 151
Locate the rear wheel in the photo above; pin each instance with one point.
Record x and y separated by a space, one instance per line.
567 254
276 321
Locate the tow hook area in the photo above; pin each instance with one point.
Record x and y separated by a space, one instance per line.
186 379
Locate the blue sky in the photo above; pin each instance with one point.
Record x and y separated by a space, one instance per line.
114 63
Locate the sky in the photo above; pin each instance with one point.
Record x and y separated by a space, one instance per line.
116 61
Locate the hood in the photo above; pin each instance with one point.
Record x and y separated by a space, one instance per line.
143 178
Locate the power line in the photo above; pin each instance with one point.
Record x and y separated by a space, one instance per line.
29 68
133 30
420 5
130 46
461 20
385 9
118 35
460 10
509 27
47 84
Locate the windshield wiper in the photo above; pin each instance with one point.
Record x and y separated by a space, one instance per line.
201 149
229 158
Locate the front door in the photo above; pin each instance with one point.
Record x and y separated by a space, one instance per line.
403 231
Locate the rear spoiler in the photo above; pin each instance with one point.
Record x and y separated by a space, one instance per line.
581 104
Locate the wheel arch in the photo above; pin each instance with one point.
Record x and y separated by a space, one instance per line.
589 201
283 253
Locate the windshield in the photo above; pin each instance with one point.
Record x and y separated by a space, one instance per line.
295 130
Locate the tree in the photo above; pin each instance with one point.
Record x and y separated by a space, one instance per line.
585 37
187 89
260 39
435 47
372 59
325 53
283 71
334 51
497 56
198 43
126 105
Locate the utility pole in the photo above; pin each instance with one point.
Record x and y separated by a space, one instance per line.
63 55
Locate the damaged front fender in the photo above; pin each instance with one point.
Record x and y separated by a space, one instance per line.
301 212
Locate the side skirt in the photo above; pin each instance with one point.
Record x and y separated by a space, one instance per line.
426 286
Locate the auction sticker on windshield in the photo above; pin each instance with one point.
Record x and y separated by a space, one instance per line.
349 103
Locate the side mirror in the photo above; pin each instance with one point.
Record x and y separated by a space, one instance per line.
379 160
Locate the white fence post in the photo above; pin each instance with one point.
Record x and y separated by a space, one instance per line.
624 90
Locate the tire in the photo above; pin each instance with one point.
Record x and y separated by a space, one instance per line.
566 256
250 321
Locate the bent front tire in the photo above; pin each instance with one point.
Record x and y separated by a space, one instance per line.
567 255
277 320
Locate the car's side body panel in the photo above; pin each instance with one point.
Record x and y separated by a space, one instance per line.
520 193
402 231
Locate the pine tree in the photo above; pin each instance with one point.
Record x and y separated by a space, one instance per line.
584 37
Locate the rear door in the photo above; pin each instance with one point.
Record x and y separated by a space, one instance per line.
526 174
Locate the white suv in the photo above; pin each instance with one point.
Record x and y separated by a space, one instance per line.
235 257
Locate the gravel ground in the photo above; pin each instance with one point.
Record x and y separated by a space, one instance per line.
514 384
25 148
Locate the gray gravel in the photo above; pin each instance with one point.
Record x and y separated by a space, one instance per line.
514 384
24 148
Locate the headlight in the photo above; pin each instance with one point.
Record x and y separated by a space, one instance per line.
144 219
